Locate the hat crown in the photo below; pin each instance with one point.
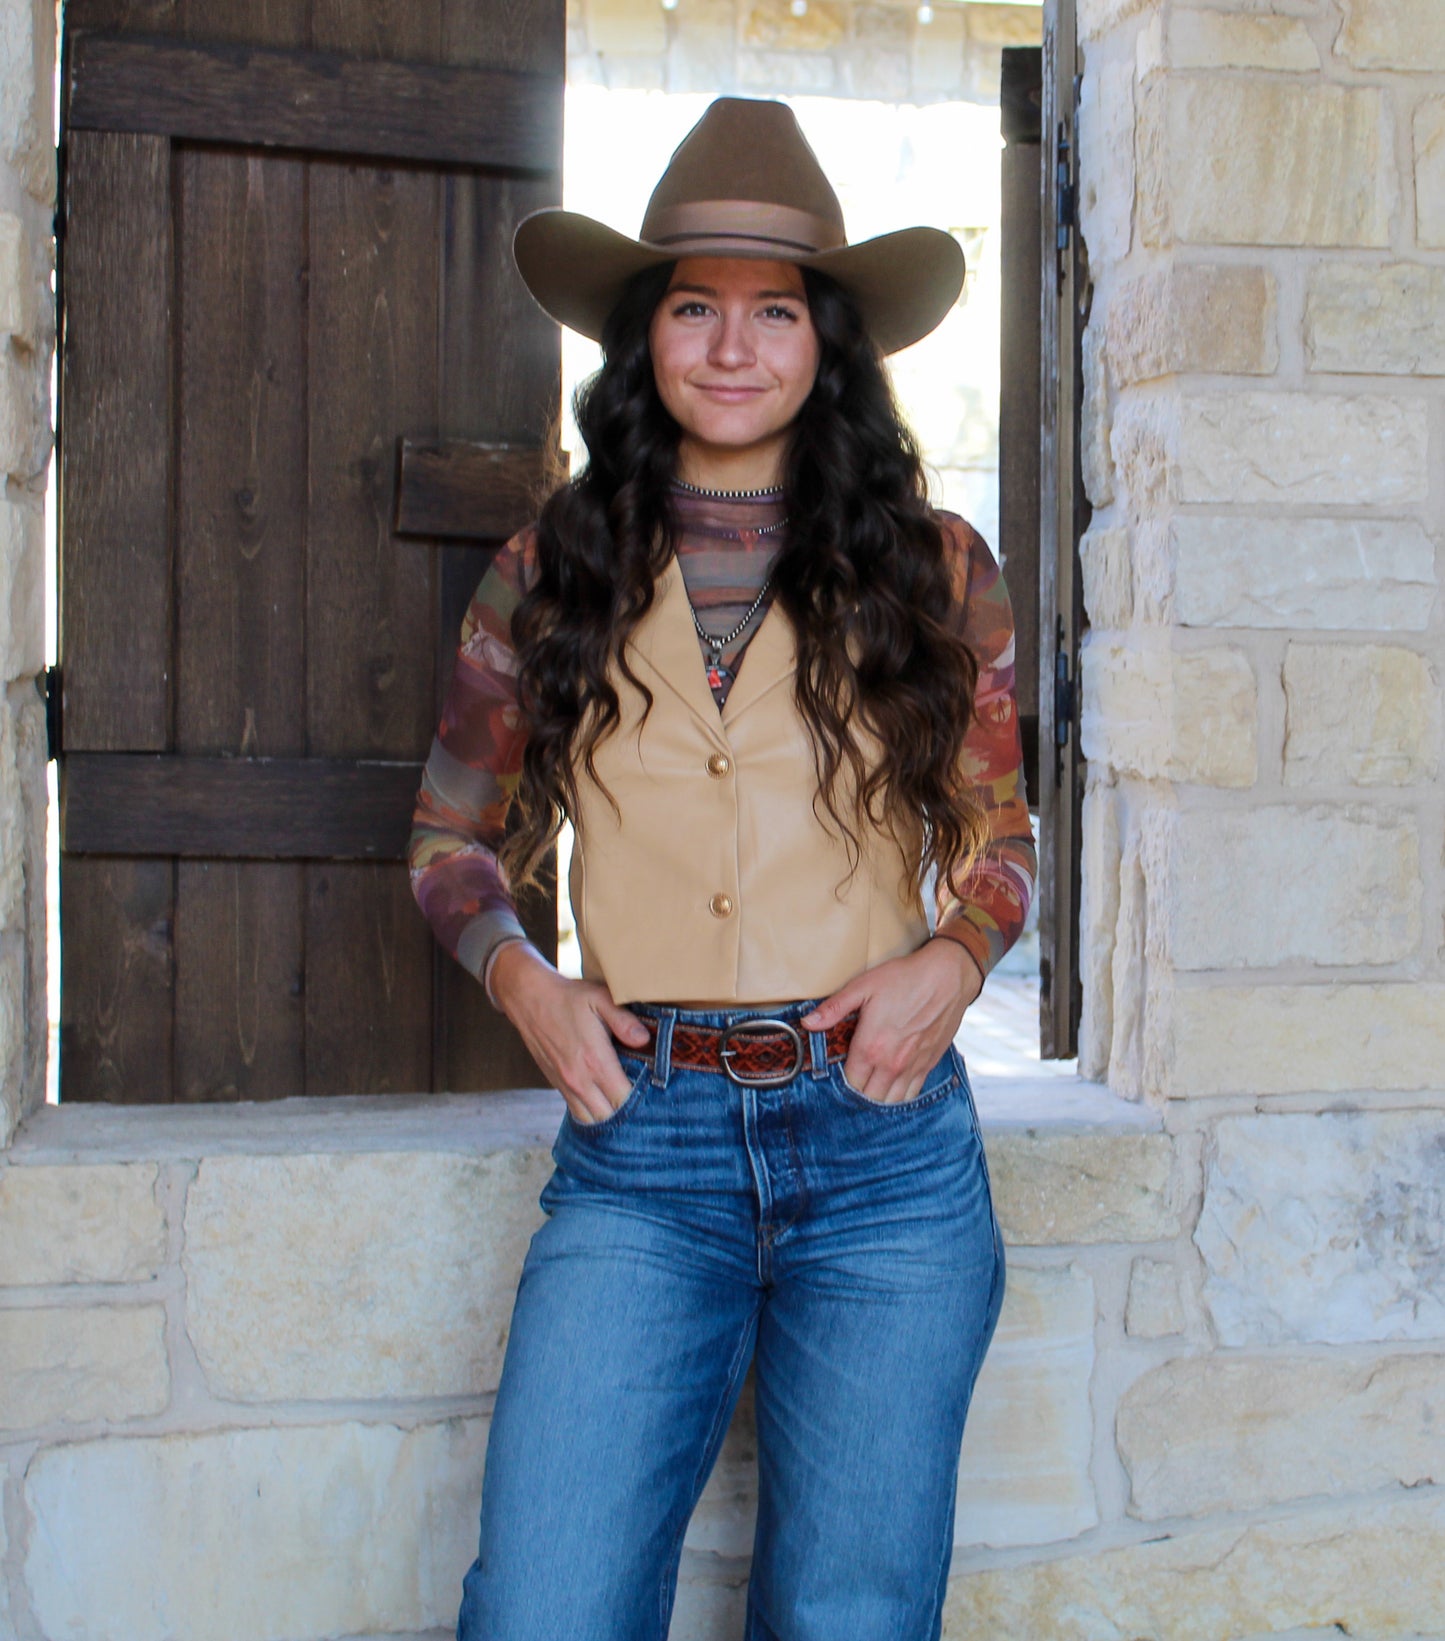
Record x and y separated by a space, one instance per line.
746 152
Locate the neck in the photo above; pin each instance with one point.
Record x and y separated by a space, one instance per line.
710 468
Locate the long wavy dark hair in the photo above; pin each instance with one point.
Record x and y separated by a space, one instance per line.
862 577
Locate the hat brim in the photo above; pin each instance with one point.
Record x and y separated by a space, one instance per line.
903 282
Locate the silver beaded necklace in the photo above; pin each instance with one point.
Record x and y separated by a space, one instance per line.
716 643
728 495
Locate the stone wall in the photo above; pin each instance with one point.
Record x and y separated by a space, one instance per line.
877 49
27 331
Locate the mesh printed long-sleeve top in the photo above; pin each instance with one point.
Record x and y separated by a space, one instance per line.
725 547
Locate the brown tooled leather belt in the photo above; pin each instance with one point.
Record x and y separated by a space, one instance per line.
756 1053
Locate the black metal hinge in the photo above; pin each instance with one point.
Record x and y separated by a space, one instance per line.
1065 701
49 686
1066 208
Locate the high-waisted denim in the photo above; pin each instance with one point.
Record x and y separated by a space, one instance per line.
847 1249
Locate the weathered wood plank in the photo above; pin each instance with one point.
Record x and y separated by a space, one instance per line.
368 983
237 808
240 1012
320 101
465 488
114 429
117 980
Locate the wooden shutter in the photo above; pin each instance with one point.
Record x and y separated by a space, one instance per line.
1063 516
293 348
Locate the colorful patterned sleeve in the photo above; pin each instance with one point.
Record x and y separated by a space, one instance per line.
470 775
988 916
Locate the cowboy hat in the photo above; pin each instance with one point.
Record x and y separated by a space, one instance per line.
743 182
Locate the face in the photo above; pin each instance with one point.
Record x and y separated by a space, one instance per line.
734 354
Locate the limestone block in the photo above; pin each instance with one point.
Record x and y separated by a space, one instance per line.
7 1621
27 72
1335 575
1106 162
1004 25
1326 1227
1098 464
712 1599
1098 921
73 1365
700 55
1308 1039
1326 885
1144 440
1108 578
937 52
1222 1433
408 1294
1408 34
24 415
1363 1569
1054 1188
19 282
13 1104
1096 17
1170 715
891 29
773 72
1024 1472
22 590
1209 148
1194 318
772 25
1317 449
292 1534
633 73
626 28
1221 39
1430 171
94 1222
1376 320
875 73
1366 714
1155 1307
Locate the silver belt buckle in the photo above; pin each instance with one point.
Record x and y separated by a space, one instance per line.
774 1079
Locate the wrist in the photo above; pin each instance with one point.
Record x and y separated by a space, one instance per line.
507 967
969 971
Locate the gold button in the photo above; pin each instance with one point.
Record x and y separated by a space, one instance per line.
721 905
718 765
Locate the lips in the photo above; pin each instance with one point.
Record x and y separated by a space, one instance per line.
729 395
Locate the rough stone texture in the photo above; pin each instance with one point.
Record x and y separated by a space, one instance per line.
1155 1307
1336 575
1096 457
1218 39
290 1534
408 1294
99 1222
1194 318
1327 1227
1219 1433
626 28
22 590
1108 579
1003 25
1430 171
1317 449
1098 921
1364 714
1363 1570
20 283
74 1365
1096 17
1056 1188
1376 321
1024 1473
27 71
1164 714
1408 34
7 1620
1106 162
1341 886
938 54
1307 1039
773 25
774 72
1209 171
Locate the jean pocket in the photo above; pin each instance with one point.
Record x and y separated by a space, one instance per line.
619 1113
940 1082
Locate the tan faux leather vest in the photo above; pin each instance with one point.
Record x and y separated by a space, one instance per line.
714 880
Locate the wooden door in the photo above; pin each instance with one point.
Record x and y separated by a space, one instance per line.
302 395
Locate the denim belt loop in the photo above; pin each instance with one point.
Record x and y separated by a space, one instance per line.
662 1049
818 1044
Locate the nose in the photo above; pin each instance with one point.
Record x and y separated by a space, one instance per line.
732 344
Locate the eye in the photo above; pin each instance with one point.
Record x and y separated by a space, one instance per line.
690 309
776 310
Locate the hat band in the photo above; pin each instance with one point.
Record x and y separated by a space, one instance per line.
748 221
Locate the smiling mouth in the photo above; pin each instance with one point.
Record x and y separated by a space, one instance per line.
725 390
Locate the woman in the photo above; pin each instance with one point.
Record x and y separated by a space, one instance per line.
772 691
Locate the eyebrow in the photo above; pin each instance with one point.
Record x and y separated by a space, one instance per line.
711 290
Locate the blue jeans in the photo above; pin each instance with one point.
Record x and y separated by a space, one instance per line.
848 1249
